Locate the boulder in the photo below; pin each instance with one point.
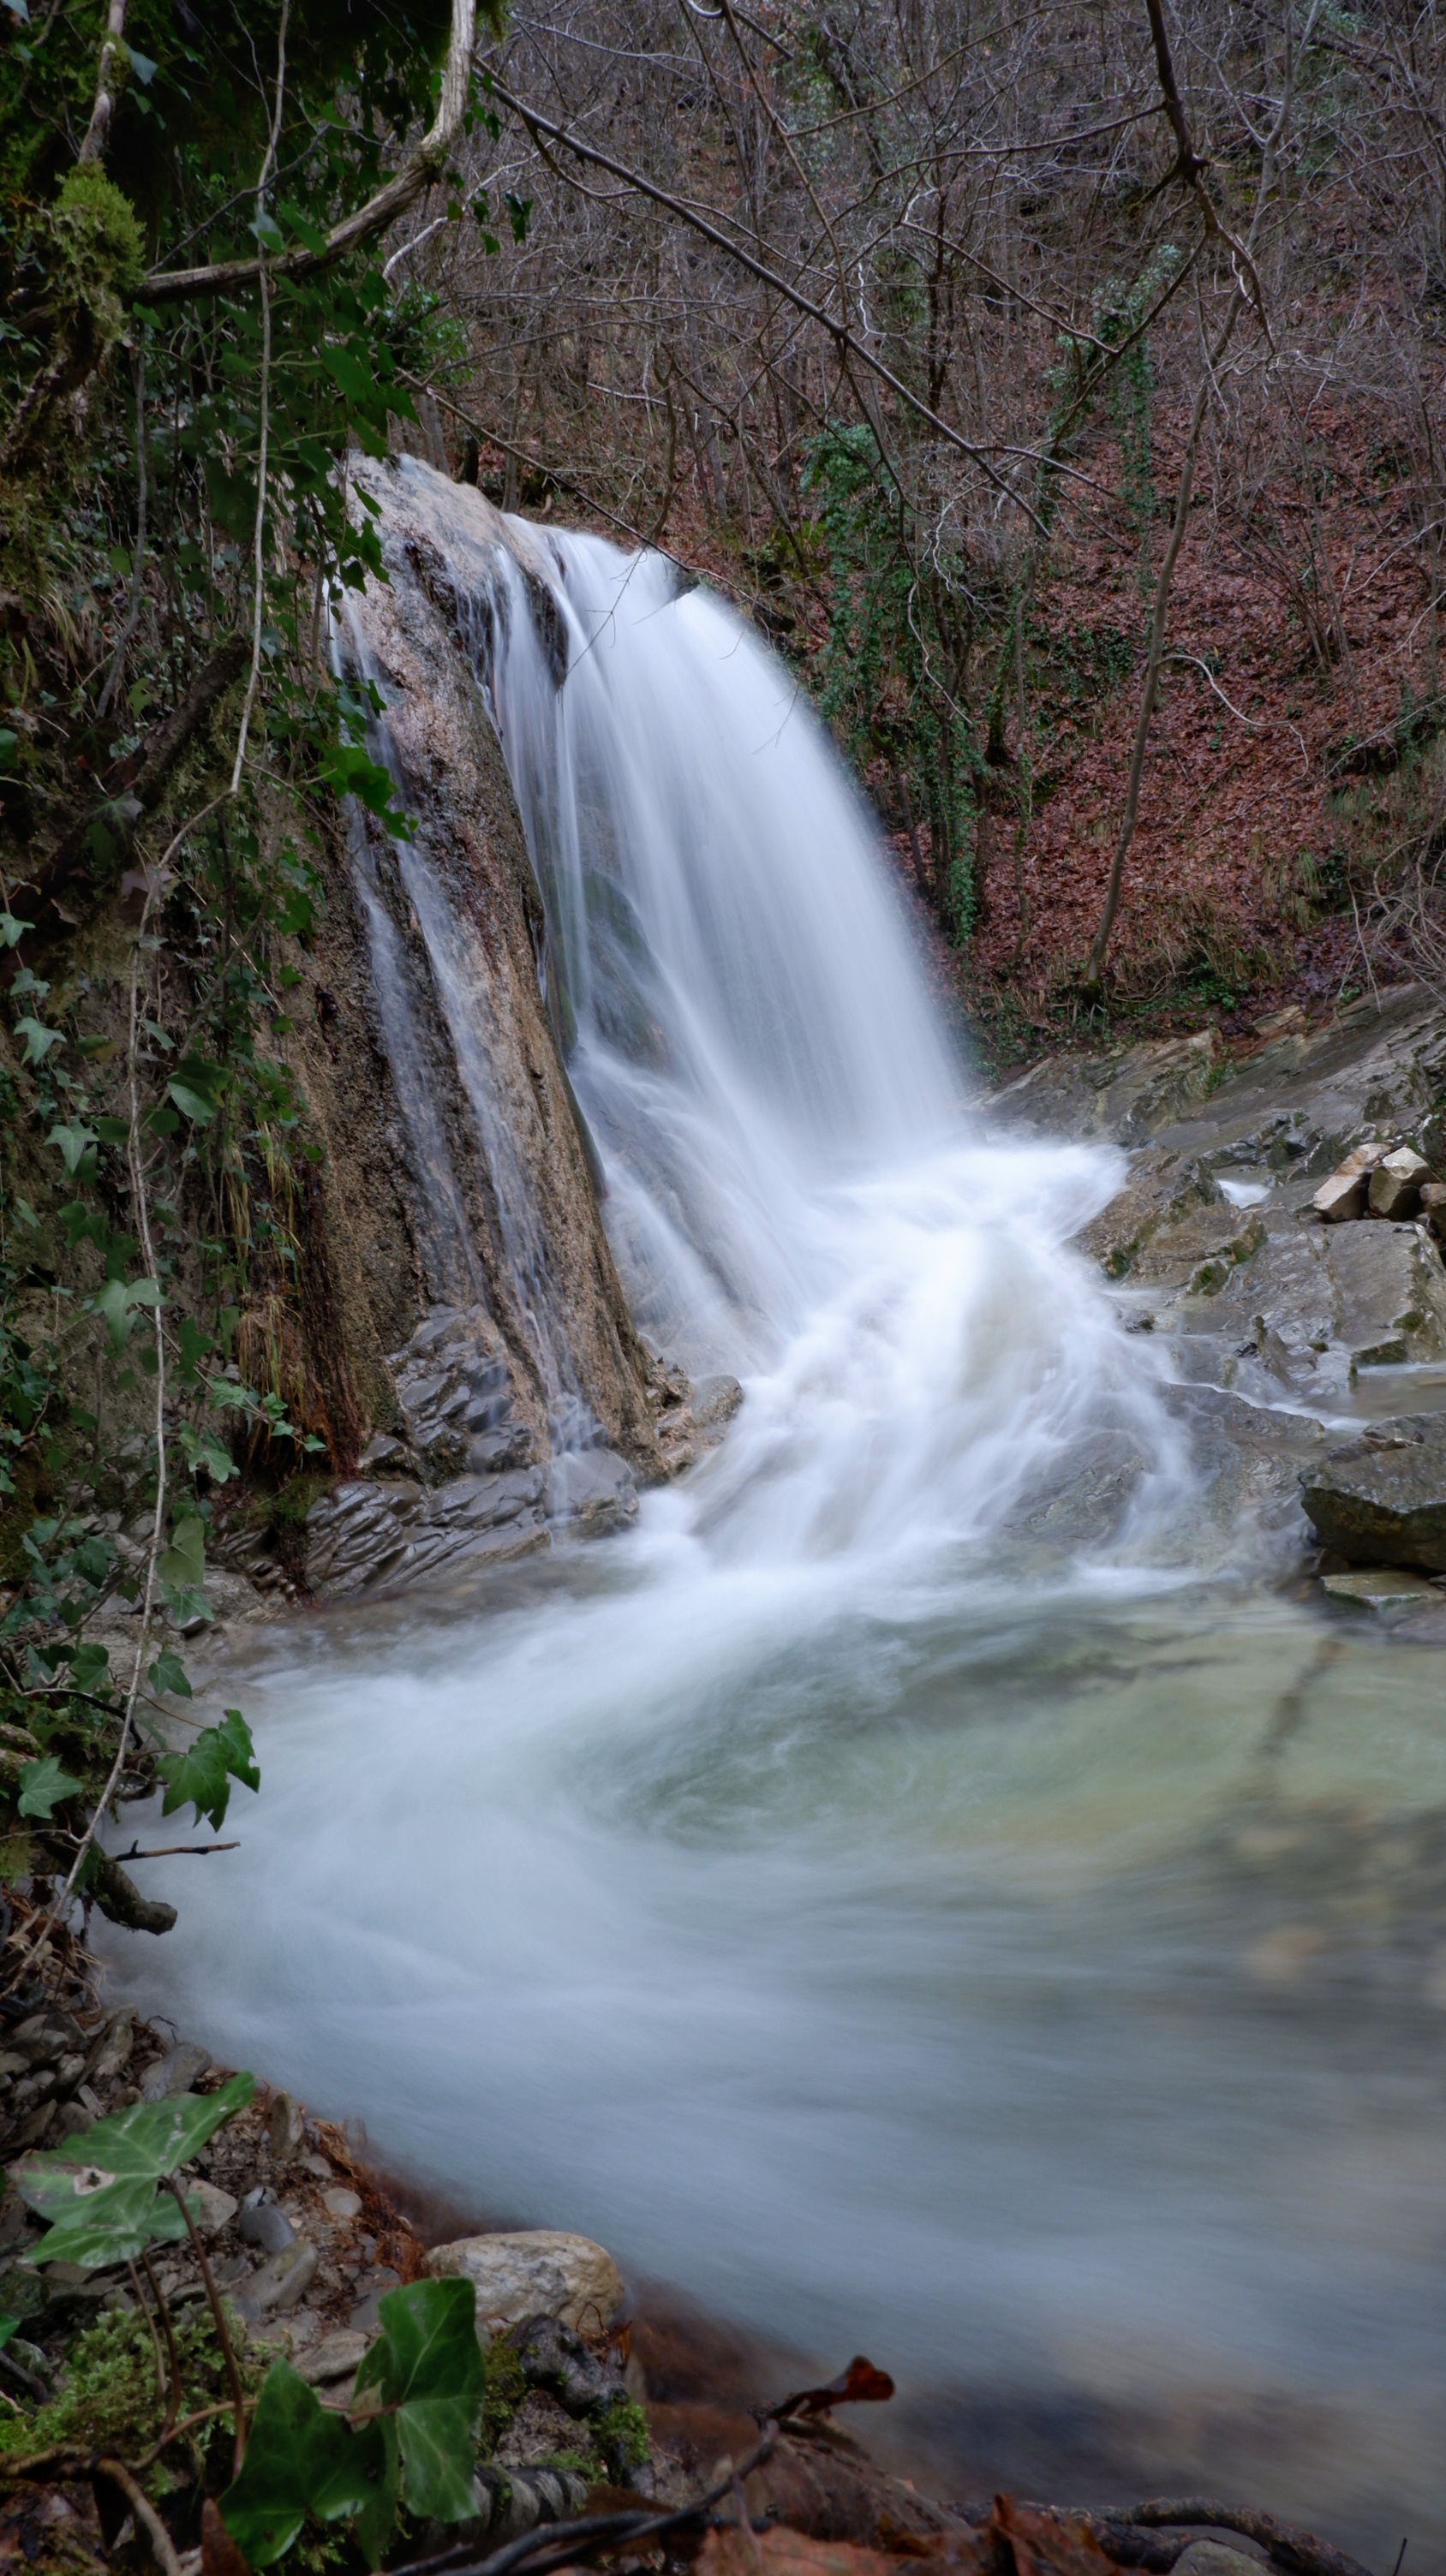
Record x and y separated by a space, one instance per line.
1382 1501
1342 1197
1395 1184
535 2272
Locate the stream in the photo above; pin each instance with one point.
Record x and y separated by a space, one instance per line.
918 1891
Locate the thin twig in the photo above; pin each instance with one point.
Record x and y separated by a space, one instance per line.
218 2314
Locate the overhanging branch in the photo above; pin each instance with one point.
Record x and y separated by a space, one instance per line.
421 169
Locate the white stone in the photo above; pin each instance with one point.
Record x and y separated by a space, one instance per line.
538 2272
342 2204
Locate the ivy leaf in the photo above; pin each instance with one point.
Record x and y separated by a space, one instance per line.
168 1673
202 1775
90 1666
143 2144
196 1088
203 1449
12 930
142 66
297 2453
184 1561
43 1785
38 1039
306 233
8 2326
113 2222
117 1302
427 2364
74 1143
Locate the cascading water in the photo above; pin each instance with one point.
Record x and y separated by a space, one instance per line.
817 1895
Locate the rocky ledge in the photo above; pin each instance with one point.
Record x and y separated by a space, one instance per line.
1278 1230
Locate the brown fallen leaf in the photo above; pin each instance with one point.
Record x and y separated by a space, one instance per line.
860 2384
219 2553
1048 2544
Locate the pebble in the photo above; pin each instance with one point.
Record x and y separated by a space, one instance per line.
174 2073
342 2204
534 2272
279 2283
286 2128
335 2357
262 2223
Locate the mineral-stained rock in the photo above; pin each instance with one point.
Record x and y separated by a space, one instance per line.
553 2358
1164 1190
536 2272
1384 1503
1395 1188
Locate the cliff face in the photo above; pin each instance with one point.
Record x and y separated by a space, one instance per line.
463 1315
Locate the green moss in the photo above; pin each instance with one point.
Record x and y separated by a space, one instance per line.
110 2400
95 219
622 2434
505 2391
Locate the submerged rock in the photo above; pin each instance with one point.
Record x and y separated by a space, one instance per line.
1389 1590
1382 1500
536 2272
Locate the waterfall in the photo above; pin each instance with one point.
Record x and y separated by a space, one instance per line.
795 1187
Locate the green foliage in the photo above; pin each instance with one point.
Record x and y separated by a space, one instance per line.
896 657
203 1774
410 2438
109 2400
101 2191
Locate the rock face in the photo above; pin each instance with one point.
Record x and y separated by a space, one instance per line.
538 2272
1284 1303
1382 1501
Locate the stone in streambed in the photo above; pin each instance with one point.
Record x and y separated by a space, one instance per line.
1389 1590
1382 1501
335 2357
211 2208
534 2272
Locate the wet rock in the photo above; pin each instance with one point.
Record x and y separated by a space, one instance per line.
1341 1198
361 1536
1433 1206
45 2038
593 1490
279 2283
534 2272
1384 1504
1212 2558
552 2357
691 1415
1163 1189
341 2204
1128 1096
1390 1591
264 2225
174 2073
454 1382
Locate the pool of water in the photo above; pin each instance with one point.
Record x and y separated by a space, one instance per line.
1046 1995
